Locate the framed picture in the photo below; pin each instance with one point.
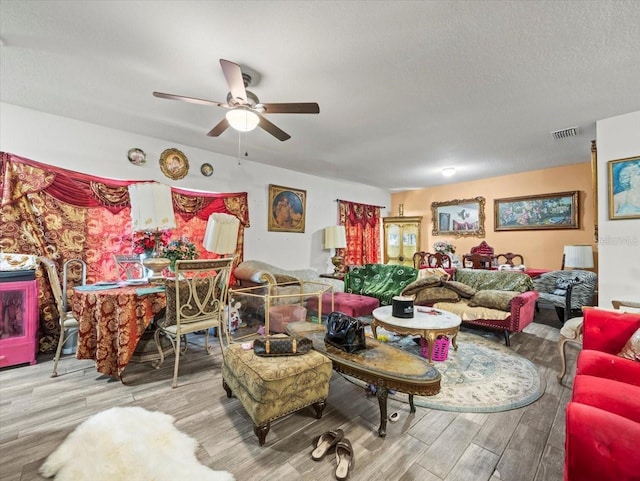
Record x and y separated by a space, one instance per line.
624 188
174 164
459 217
537 212
287 209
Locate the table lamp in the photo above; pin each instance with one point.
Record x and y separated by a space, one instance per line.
577 257
152 211
221 236
335 238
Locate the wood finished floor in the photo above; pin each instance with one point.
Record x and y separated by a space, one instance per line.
526 444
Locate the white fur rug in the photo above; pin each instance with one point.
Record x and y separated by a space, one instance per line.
126 444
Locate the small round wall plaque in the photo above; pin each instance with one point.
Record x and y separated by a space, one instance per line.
206 169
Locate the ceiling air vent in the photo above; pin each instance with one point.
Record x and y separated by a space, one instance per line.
564 133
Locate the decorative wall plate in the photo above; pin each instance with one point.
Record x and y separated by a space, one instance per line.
137 156
206 169
174 164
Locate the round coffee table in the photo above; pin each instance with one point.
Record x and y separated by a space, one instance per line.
427 322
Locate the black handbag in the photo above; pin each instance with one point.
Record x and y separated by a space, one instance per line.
345 332
282 345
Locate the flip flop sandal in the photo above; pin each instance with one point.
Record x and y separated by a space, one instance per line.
344 459
325 442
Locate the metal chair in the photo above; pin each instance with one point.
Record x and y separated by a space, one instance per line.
196 299
129 267
68 323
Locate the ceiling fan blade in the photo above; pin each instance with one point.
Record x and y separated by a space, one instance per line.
277 132
233 74
191 100
292 108
219 128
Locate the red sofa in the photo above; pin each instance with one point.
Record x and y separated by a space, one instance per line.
603 417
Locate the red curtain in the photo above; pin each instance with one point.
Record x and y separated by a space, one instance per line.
362 226
63 215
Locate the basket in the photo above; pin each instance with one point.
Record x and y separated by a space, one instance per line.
440 350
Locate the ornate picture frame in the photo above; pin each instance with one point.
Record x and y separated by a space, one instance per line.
174 164
287 209
559 210
459 217
624 188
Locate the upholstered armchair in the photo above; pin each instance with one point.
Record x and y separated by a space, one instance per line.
567 291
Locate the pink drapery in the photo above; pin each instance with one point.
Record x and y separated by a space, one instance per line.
362 226
63 214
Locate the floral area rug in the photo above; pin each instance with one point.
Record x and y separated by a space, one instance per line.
127 444
481 376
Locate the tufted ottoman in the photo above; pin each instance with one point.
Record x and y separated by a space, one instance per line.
272 387
353 305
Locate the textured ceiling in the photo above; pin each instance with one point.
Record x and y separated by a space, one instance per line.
404 88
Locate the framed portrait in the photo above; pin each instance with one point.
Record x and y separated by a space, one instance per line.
537 212
287 209
459 217
624 188
174 164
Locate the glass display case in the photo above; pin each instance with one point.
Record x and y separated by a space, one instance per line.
18 322
401 239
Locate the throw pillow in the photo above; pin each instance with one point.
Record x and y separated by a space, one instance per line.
462 289
562 284
430 295
493 299
631 349
433 271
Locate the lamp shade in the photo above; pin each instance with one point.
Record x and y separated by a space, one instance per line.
335 237
242 119
578 256
151 207
221 236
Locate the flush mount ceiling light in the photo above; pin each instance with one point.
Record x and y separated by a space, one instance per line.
448 171
242 119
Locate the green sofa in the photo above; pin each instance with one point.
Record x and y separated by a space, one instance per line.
382 281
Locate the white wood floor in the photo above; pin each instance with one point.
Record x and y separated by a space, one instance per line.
526 444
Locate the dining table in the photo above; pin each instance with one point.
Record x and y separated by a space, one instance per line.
112 320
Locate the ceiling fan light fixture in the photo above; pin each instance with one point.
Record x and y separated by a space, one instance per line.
448 171
242 119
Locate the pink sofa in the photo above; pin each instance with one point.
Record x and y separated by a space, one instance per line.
603 417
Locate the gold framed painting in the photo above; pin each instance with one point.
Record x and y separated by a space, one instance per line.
459 217
287 209
559 210
624 188
174 164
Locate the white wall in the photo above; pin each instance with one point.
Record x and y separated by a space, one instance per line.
618 240
97 150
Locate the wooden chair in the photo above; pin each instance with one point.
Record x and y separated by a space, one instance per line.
427 259
477 261
509 257
196 299
68 323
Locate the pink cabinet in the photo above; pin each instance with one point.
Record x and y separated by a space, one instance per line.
18 322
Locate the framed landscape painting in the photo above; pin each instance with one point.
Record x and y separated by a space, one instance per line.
624 188
536 212
287 209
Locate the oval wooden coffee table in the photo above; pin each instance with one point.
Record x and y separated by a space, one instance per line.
387 367
427 322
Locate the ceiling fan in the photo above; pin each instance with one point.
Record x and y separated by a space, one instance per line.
245 112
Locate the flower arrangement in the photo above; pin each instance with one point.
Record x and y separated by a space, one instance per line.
145 242
178 250
445 247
